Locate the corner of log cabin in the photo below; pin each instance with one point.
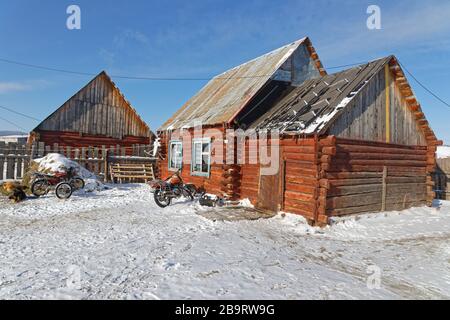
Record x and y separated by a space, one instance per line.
301 178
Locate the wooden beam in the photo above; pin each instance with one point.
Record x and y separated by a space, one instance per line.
414 107
388 104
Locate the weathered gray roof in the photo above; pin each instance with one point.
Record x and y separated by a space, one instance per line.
225 95
310 107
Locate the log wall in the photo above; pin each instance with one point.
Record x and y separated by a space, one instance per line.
223 180
77 140
366 176
301 171
322 177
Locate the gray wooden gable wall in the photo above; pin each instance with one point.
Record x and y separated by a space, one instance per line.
365 116
97 109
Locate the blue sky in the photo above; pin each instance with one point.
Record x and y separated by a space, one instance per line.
202 39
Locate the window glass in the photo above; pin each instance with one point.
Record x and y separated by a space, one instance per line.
175 155
201 157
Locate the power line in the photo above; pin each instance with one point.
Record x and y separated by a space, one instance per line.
23 64
14 124
348 65
191 79
19 113
122 76
424 87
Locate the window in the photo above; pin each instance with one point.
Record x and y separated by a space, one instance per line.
175 155
201 157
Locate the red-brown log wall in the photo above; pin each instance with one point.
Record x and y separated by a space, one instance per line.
301 168
215 183
250 172
74 140
354 177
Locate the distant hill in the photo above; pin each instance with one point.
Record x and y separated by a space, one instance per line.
12 133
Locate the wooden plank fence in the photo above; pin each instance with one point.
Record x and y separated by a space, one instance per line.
15 159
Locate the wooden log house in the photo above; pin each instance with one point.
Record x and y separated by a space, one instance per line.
97 115
262 80
352 142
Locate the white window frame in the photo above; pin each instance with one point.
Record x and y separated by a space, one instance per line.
201 141
180 144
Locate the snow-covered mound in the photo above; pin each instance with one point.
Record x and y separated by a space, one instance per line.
55 162
443 152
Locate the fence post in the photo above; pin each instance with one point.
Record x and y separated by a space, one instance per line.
384 194
10 161
2 158
106 163
83 157
40 150
19 161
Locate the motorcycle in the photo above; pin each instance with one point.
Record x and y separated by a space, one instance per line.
172 188
63 182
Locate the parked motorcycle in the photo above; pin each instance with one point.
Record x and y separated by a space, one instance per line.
64 183
172 188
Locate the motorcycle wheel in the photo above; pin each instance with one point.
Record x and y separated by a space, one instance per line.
77 184
63 191
161 200
40 187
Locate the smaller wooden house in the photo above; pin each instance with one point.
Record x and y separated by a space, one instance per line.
97 115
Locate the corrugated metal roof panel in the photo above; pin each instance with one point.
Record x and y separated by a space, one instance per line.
225 95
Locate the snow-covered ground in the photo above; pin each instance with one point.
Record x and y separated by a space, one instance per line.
117 244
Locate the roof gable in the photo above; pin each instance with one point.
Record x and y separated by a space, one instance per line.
308 108
221 100
314 106
92 110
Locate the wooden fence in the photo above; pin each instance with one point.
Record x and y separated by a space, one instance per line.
442 179
15 159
